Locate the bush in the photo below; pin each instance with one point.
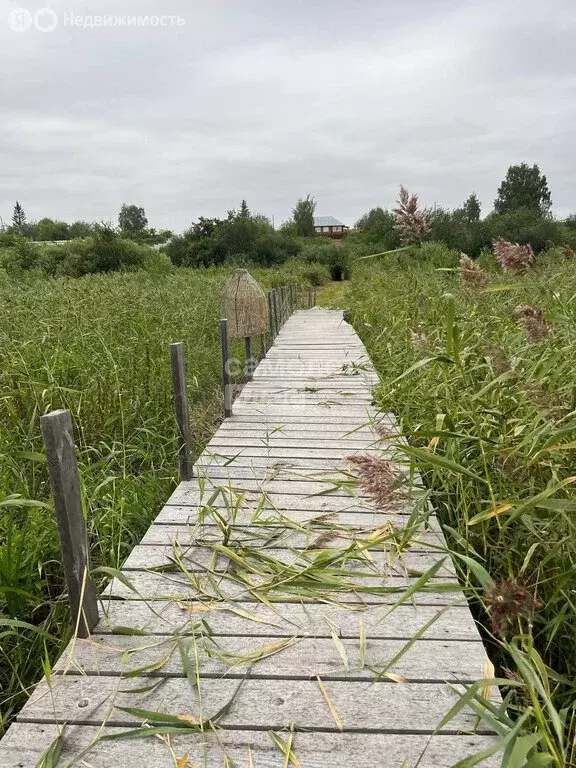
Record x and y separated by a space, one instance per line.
521 226
274 248
104 251
157 262
335 257
316 274
20 256
436 255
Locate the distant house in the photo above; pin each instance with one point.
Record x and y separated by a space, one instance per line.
328 226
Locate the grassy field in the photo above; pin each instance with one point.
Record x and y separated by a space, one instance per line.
99 347
486 397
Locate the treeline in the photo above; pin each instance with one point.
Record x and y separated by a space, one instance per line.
521 214
132 224
242 238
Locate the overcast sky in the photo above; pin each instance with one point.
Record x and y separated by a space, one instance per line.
271 99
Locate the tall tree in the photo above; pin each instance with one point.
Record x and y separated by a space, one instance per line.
18 217
471 210
524 187
244 210
132 219
303 215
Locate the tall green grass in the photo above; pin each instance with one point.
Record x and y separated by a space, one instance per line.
491 424
99 347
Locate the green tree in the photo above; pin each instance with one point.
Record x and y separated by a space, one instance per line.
48 229
524 187
79 229
132 219
244 210
18 217
303 215
471 210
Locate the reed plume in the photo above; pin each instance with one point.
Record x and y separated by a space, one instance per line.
411 222
533 323
471 273
376 477
513 257
508 601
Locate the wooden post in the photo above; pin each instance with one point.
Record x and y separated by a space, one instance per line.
262 346
226 368
279 305
309 298
271 317
178 366
65 483
314 304
249 361
277 310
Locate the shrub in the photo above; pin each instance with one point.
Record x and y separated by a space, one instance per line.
436 254
521 226
274 248
335 257
157 263
20 256
316 274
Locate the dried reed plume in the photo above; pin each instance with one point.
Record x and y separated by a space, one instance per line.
385 430
411 223
507 601
376 478
567 253
471 273
513 257
535 327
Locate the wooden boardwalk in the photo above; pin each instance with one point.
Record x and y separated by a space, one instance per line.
267 607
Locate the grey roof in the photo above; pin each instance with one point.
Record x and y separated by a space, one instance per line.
327 221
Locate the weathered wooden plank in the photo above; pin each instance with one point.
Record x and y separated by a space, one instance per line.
287 619
346 422
283 501
234 474
302 487
25 743
198 558
276 440
307 393
352 430
283 410
275 452
267 657
267 516
270 530
313 465
369 590
260 704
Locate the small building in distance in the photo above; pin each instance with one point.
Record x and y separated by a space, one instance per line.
328 226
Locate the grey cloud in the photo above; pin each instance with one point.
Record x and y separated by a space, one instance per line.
269 101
